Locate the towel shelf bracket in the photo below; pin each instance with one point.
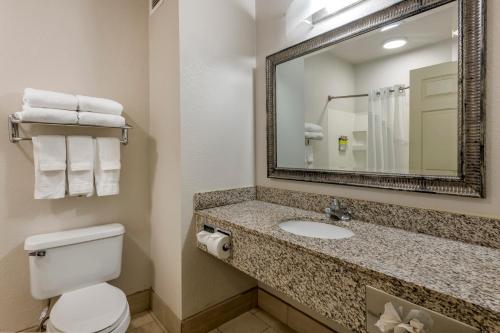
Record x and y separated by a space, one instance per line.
15 137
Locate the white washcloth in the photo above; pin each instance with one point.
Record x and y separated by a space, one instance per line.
107 166
80 165
310 127
100 119
99 105
49 155
44 115
313 135
50 99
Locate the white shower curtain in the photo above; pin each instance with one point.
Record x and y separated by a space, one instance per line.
388 130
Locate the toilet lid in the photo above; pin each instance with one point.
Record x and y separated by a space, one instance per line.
91 309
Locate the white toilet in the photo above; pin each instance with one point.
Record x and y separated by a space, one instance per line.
76 265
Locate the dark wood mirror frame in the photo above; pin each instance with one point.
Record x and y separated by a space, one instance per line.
471 106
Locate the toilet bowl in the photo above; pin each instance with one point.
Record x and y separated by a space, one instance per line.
76 264
100 308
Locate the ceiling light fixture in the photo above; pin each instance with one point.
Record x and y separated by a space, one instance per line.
332 8
390 26
395 43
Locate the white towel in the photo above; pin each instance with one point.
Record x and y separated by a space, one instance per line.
49 155
44 115
80 165
99 105
107 166
309 158
49 99
100 119
310 127
313 135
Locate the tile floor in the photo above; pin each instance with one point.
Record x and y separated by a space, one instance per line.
145 323
253 321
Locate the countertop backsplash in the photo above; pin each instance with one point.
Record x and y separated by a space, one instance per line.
461 227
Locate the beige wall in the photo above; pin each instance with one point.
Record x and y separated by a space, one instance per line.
95 47
165 154
201 126
271 37
217 39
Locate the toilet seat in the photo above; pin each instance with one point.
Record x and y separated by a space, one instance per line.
100 308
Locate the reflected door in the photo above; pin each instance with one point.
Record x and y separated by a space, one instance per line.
434 120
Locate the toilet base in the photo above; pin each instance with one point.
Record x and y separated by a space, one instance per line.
119 328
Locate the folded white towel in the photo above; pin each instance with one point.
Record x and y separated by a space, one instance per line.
50 99
49 155
310 127
99 105
44 115
313 135
107 166
80 165
100 119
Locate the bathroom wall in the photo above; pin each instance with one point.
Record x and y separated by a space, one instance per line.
388 71
202 61
290 115
329 75
217 48
165 154
271 37
78 46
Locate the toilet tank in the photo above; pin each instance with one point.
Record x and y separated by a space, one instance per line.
63 261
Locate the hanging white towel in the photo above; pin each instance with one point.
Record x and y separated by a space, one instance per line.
310 127
80 165
313 136
50 99
107 166
49 155
100 119
99 105
45 115
309 157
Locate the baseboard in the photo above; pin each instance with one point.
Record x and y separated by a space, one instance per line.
297 318
218 314
139 301
164 314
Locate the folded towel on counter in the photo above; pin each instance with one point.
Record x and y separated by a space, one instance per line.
310 127
80 150
313 135
50 99
45 115
107 166
100 119
49 155
99 105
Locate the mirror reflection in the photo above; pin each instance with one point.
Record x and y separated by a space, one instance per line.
384 101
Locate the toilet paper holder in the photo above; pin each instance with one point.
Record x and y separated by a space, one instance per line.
213 229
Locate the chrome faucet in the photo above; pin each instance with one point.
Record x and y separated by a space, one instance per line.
337 212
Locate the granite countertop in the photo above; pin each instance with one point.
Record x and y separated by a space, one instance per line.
463 271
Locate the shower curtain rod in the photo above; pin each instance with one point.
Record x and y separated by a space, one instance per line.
330 97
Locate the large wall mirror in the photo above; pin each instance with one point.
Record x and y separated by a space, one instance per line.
392 100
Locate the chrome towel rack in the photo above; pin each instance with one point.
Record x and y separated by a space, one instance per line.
15 137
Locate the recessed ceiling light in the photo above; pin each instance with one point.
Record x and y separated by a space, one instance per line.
395 43
390 26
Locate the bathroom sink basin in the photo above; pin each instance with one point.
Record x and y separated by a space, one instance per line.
315 229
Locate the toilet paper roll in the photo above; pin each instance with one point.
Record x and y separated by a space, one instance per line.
203 236
215 245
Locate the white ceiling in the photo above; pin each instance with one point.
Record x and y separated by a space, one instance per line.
425 29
